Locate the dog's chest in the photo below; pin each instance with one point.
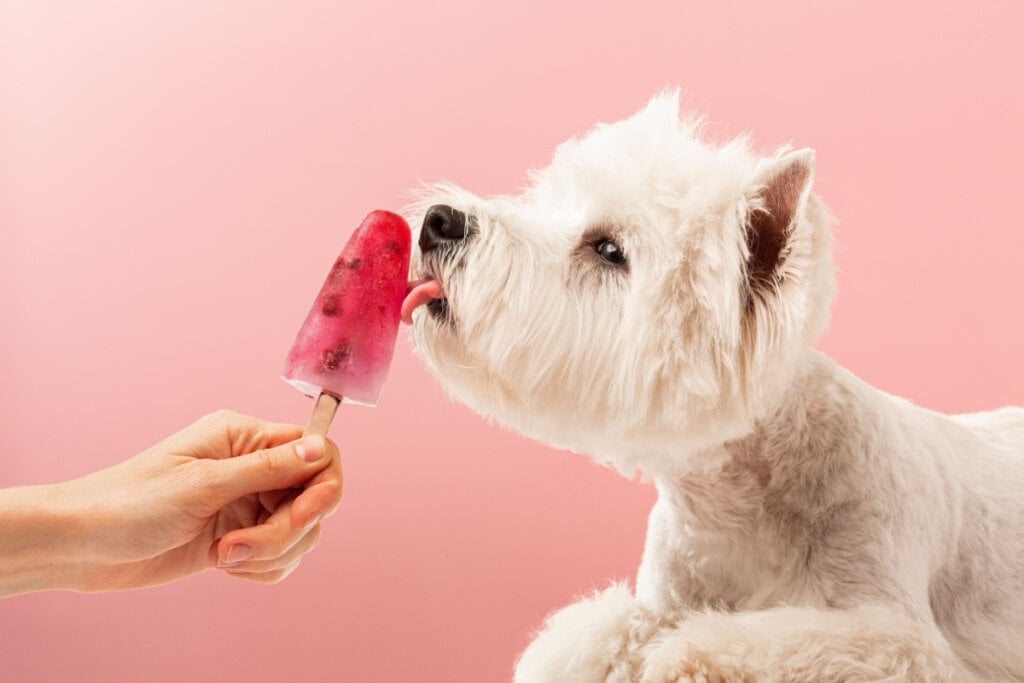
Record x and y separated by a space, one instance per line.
732 565
745 538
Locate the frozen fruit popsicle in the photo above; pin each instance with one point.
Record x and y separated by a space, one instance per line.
344 348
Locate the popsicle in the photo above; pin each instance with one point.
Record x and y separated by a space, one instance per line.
343 350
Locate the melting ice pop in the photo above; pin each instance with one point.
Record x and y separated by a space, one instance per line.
343 350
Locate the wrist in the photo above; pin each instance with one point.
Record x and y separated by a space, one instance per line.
42 540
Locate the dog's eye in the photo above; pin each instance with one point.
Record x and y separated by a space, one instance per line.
610 252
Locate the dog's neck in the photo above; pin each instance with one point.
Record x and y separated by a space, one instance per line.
765 497
802 445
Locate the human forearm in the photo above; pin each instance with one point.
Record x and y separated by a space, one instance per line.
40 540
229 491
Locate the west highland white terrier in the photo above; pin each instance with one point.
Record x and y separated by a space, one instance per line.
650 300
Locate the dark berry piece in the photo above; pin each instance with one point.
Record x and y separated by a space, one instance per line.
331 306
333 358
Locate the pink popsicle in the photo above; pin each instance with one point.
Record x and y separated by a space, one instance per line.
344 348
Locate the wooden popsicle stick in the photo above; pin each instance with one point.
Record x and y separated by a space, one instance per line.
323 413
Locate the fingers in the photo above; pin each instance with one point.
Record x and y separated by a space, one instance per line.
269 551
285 563
247 434
267 541
322 493
225 433
265 577
280 467
297 485
321 496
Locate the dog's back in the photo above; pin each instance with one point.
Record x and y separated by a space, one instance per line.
974 597
1003 427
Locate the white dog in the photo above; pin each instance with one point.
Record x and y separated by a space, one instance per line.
650 300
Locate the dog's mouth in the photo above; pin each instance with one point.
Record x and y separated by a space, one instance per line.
425 292
441 250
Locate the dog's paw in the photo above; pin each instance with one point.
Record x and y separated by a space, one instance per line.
798 645
674 659
595 640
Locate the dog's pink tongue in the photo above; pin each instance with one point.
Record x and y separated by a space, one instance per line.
420 292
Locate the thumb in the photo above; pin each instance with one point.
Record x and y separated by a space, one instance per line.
280 467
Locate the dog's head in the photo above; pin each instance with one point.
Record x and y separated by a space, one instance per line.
648 293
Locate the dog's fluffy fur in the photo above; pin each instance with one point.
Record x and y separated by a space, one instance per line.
808 526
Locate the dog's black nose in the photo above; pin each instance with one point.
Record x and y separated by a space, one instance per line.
442 224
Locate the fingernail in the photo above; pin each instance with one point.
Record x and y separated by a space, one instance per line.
310 449
238 553
313 521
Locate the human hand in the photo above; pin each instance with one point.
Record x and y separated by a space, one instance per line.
229 491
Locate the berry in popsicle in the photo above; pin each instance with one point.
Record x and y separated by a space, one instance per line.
344 348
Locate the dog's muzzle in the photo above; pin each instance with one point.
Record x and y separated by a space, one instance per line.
443 227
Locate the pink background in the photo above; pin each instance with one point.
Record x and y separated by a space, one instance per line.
175 179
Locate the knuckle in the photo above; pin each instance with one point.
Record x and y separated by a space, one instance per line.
331 496
265 462
335 491
220 417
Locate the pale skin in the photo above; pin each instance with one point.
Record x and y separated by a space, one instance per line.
229 492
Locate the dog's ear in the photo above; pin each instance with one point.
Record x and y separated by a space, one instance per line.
780 191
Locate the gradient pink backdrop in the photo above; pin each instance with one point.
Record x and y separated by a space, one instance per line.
175 179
